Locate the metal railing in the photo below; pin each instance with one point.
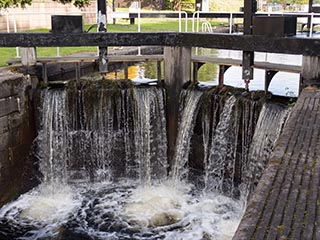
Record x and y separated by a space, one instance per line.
12 17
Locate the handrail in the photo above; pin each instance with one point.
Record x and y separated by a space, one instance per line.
231 16
206 26
167 12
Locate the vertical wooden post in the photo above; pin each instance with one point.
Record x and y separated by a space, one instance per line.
44 73
222 70
177 66
125 67
159 71
102 27
28 56
195 72
310 73
78 73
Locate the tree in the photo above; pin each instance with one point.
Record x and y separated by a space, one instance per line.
173 4
22 3
8 3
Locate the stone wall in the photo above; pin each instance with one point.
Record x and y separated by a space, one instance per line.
17 132
38 15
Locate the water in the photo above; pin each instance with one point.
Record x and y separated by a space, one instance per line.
102 151
270 123
221 155
123 210
282 84
188 116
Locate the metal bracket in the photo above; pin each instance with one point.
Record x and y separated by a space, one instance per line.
268 77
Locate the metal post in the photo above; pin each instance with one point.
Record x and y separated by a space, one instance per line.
250 7
180 20
8 22
15 30
310 10
139 25
311 25
230 23
102 27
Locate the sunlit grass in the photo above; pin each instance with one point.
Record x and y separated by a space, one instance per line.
122 25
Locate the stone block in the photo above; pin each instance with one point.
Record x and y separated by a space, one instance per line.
15 137
9 105
15 120
10 84
4 141
4 124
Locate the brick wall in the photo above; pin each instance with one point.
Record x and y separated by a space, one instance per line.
17 168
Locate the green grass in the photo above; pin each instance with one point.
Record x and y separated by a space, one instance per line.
147 25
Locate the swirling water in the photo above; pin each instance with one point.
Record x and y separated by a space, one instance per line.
105 170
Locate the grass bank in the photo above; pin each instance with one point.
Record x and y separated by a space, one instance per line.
147 25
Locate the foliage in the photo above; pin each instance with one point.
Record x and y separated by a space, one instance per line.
226 5
291 2
8 3
175 4
77 3
22 3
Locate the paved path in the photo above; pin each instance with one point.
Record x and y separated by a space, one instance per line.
286 204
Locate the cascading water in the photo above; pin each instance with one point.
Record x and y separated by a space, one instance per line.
102 150
188 116
222 152
150 135
269 126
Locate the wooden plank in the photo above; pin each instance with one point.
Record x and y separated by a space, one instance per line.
290 45
216 60
145 58
278 67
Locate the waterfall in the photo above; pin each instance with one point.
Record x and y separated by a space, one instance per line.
269 126
242 142
222 153
103 133
53 137
150 134
103 145
190 107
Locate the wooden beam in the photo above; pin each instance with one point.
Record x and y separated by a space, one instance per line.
177 69
289 45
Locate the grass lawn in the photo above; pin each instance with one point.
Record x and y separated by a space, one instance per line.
147 25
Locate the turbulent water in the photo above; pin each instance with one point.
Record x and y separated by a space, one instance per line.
103 157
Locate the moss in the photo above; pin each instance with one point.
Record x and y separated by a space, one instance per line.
43 85
280 228
314 162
